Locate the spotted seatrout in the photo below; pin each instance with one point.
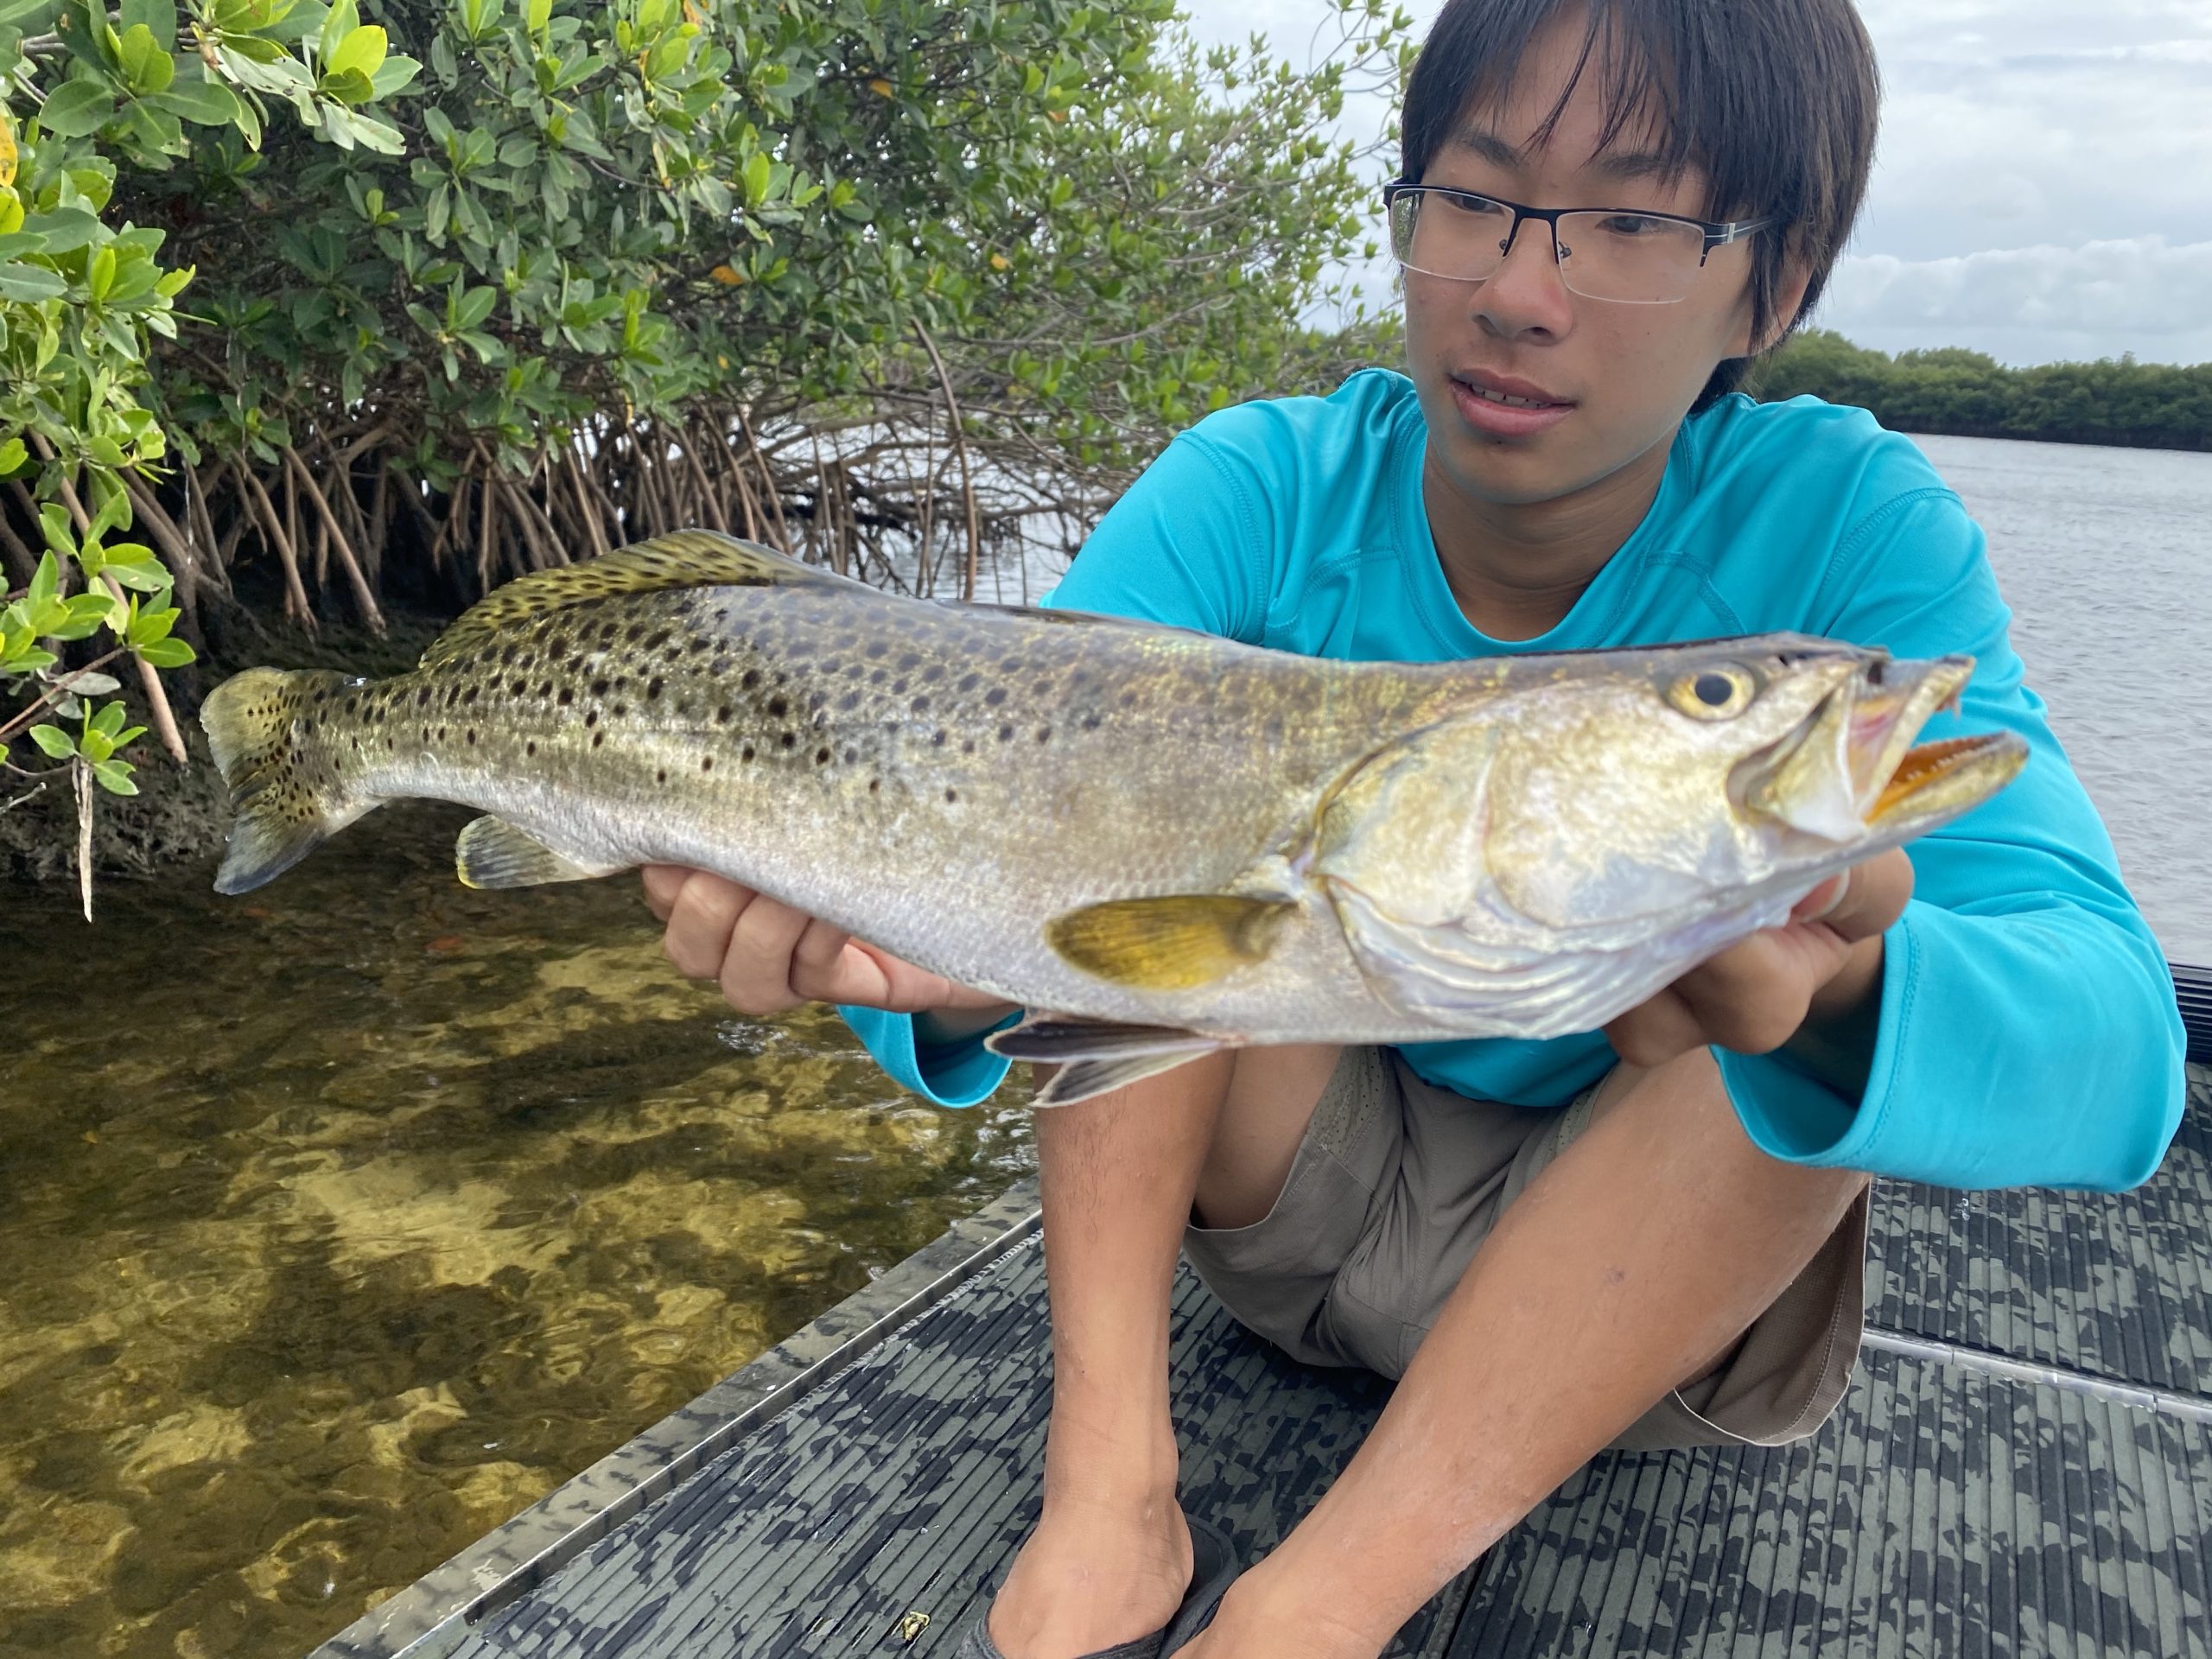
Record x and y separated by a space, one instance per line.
1163 841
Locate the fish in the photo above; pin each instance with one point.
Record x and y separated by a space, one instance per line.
1158 842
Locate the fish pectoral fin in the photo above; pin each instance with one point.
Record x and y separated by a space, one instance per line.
492 853
683 558
1171 944
1095 1057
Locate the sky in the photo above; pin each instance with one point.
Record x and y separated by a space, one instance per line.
2043 188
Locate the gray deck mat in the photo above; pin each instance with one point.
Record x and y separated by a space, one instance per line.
1943 1512
2118 1287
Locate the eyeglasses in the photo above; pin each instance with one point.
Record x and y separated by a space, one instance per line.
1622 254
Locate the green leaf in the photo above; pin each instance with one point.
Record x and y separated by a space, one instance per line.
77 110
146 66
755 179
57 743
94 745
115 777
362 51
205 103
46 580
13 457
23 281
109 720
167 653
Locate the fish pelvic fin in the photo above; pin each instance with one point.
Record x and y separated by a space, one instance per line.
284 785
1172 943
683 558
1096 1057
492 853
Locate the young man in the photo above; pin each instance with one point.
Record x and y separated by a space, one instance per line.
1650 1236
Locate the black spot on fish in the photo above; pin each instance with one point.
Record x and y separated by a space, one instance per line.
706 763
995 695
1044 733
723 714
652 689
1091 723
599 686
937 740
746 754
851 755
849 701
472 740
621 710
568 695
778 708
752 678
969 747
789 739
968 682
899 688
921 705
598 738
952 795
592 718
1006 733
874 785
822 757
531 747
661 775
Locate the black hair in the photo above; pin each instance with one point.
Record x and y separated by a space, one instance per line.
1773 100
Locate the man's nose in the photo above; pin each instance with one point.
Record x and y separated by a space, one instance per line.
1526 293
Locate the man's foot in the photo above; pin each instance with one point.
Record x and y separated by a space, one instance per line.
1092 1575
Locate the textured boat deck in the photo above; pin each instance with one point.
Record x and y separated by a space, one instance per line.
2023 1466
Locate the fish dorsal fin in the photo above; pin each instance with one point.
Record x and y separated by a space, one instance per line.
683 558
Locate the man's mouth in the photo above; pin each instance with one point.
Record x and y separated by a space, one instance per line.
1499 406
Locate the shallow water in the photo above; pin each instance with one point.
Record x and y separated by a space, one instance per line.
383 1209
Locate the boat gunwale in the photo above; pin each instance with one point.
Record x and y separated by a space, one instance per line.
434 1615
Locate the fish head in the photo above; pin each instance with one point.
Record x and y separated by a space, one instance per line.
1650 786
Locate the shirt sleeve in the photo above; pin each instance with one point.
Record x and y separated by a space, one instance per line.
1185 546
2029 1034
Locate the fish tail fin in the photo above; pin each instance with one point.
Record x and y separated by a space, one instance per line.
284 784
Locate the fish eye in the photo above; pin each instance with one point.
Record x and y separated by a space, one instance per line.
1719 693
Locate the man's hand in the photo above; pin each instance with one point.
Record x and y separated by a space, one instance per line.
768 957
1813 984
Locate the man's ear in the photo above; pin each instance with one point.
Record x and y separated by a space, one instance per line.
1788 298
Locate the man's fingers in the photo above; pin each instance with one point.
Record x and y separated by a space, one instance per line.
663 882
1656 1031
756 975
700 919
816 963
1864 900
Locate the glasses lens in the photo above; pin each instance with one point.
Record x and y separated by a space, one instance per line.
1632 257
1444 234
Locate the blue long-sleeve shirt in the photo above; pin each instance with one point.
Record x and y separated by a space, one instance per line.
2028 1031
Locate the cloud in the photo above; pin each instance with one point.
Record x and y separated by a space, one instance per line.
2033 305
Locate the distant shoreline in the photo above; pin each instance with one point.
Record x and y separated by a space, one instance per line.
1951 392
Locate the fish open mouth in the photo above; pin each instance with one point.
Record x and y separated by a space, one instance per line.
1962 771
1851 766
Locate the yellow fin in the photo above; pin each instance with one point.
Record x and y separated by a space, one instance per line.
684 559
492 853
1170 943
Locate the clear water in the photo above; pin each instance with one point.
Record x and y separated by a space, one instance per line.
383 1206
2105 556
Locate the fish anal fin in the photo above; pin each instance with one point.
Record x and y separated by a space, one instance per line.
1172 943
683 558
1095 1056
492 853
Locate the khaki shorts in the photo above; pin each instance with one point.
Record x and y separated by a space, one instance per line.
1394 1189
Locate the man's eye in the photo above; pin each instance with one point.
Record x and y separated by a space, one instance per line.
1632 224
1477 206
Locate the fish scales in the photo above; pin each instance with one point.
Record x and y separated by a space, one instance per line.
1121 822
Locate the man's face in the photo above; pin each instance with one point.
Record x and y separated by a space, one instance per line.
1618 377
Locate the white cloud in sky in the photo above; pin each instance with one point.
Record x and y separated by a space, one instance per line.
2043 185
2038 302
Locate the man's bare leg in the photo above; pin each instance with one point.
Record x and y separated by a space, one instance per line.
1637 1256
1111 1555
